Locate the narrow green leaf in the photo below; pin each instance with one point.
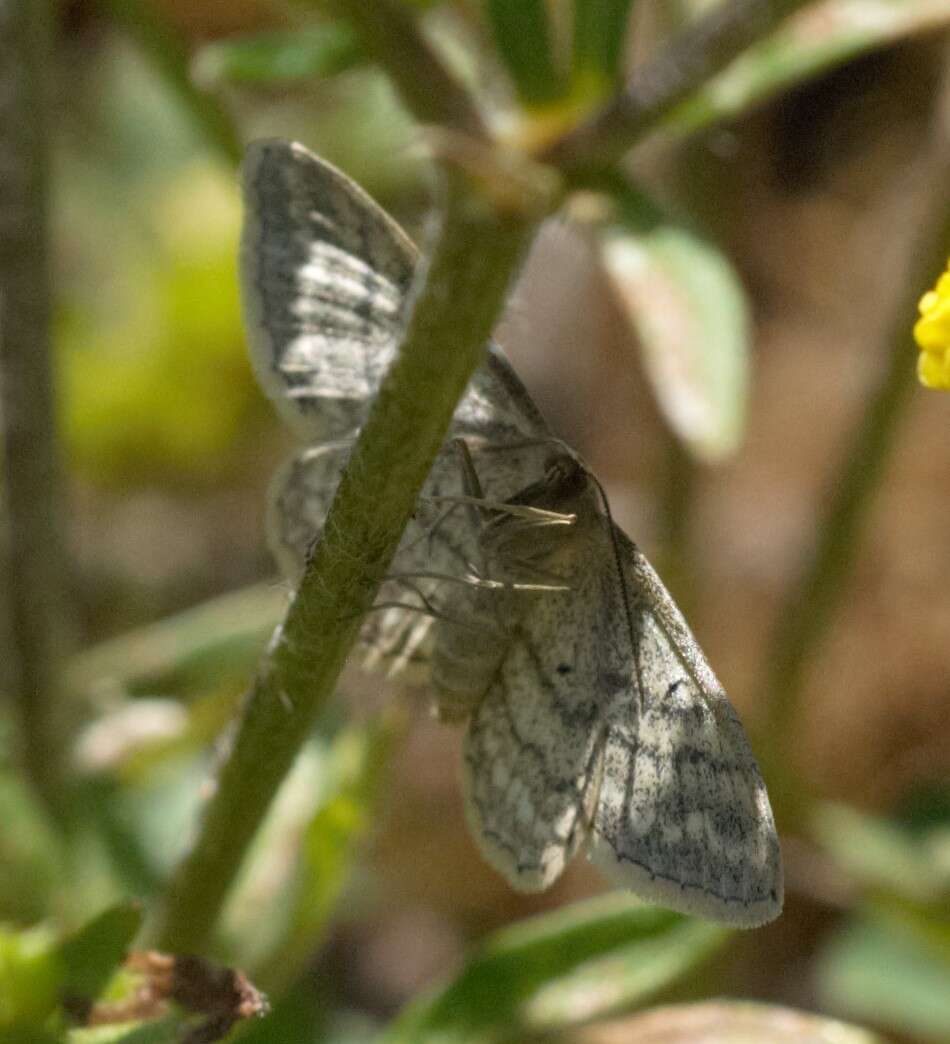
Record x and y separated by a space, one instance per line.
600 33
883 855
560 970
815 40
360 756
873 972
348 784
525 44
159 1031
688 308
107 805
30 853
739 1022
291 56
167 53
185 652
92 956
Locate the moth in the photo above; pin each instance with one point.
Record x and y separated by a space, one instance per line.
593 721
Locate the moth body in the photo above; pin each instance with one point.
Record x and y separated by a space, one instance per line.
518 555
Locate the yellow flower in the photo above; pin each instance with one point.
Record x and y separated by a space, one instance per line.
932 334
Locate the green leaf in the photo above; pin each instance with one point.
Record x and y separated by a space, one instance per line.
689 310
30 853
878 973
29 1035
559 970
739 1022
600 32
881 854
185 653
92 956
300 1016
308 53
815 40
341 820
160 1031
324 811
166 51
30 976
524 41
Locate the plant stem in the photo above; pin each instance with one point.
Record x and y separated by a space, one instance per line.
702 49
34 567
390 34
523 41
473 262
599 39
809 607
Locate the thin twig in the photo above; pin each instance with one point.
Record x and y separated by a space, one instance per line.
695 54
477 252
34 580
390 33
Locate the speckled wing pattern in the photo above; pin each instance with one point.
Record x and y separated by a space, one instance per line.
608 728
394 640
325 276
325 279
534 750
600 724
683 817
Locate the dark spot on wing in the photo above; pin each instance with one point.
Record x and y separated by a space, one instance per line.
613 681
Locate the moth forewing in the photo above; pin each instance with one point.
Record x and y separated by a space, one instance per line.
683 817
324 277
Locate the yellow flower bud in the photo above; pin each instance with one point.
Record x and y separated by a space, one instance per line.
932 334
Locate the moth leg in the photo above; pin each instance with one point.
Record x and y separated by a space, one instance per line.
474 580
430 530
470 480
475 495
532 515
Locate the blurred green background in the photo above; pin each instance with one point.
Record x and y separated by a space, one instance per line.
718 385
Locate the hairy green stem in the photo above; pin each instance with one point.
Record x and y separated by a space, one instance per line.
34 585
698 52
477 252
803 621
